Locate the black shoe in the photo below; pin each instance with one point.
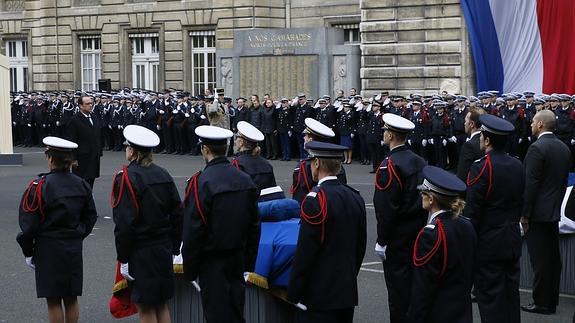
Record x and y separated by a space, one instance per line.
372 172
532 308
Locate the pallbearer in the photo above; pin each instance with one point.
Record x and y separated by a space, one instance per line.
331 242
444 253
248 159
398 211
148 218
56 213
221 229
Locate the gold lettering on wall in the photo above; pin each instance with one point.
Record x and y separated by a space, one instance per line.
276 75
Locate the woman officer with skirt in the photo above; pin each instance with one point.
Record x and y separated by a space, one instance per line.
148 218
56 213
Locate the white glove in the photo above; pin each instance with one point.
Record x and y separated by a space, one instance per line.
352 135
301 306
196 286
125 272
572 141
158 127
409 142
380 251
453 139
521 140
57 123
444 142
187 115
381 143
142 114
246 276
175 111
193 110
161 111
521 229
14 123
119 127
289 133
202 117
110 126
30 263
529 138
424 142
29 125
43 125
430 141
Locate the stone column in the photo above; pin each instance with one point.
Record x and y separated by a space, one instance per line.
7 156
413 46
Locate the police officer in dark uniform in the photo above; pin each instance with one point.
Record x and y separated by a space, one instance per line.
300 111
218 249
398 211
284 126
516 116
302 181
439 133
57 212
148 218
458 135
373 135
418 136
494 199
117 123
248 157
336 240
444 253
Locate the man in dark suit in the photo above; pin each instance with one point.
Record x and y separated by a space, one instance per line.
470 150
546 171
84 129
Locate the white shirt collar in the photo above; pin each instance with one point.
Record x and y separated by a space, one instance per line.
544 133
327 178
473 134
86 115
433 215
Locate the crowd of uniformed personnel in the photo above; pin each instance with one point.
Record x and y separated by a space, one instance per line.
434 247
356 121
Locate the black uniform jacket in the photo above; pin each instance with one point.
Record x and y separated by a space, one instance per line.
67 210
494 202
329 255
303 183
259 169
221 217
152 214
397 201
87 136
441 289
470 152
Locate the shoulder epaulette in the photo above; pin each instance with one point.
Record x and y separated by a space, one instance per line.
429 227
311 194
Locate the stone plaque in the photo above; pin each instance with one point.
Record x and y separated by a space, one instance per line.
277 75
279 41
339 74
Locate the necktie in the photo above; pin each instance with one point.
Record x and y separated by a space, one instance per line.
91 122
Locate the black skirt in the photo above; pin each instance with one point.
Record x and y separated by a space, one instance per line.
59 271
153 272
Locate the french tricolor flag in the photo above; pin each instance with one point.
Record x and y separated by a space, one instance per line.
522 45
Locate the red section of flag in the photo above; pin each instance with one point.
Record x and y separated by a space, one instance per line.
120 303
555 18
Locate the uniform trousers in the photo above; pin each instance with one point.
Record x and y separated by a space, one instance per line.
376 154
398 273
344 315
223 288
496 288
543 247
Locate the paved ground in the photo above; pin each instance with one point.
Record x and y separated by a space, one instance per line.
19 302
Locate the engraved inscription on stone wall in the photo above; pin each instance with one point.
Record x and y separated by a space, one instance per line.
276 75
282 40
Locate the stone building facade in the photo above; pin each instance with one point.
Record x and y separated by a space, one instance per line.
405 46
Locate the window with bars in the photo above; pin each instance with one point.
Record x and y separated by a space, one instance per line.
17 52
351 33
203 61
90 62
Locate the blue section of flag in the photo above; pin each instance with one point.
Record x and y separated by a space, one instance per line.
484 45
